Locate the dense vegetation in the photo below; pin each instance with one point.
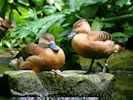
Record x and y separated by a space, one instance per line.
35 17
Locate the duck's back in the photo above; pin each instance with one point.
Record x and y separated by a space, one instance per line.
31 49
99 35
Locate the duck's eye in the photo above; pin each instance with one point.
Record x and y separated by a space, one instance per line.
78 25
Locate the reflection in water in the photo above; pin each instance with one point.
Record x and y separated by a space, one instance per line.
124 85
50 98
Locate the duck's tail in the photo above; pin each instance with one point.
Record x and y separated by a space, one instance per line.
118 48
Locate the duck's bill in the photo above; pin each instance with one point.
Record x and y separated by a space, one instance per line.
53 46
72 34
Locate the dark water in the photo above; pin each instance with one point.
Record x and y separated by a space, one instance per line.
124 90
51 98
124 85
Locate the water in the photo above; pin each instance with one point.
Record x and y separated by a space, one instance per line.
51 98
124 85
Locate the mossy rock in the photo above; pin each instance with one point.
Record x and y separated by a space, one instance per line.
22 83
51 83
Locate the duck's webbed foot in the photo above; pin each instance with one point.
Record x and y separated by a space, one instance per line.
105 68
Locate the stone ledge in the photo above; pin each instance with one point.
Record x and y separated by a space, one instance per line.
49 83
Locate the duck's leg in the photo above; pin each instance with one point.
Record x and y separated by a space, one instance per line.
92 61
105 68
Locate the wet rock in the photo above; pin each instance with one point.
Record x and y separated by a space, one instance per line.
53 83
77 83
23 83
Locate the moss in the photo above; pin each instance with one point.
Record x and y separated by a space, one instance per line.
122 60
4 68
67 83
23 81
124 81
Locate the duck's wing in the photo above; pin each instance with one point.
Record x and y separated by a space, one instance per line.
31 49
100 36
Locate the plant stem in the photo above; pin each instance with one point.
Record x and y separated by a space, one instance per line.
108 19
117 17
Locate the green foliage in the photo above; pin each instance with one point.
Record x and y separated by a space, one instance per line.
121 3
7 6
54 16
96 25
32 29
120 37
35 17
57 17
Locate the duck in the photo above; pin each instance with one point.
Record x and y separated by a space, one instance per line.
45 55
92 44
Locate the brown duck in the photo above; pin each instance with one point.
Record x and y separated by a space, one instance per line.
45 55
92 44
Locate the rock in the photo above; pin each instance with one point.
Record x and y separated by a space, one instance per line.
77 83
51 83
23 83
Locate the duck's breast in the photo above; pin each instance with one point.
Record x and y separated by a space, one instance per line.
81 45
54 60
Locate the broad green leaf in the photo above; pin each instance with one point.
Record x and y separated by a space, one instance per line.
59 22
29 39
128 29
59 39
58 6
108 25
74 4
119 34
2 48
20 18
89 11
24 33
120 37
96 25
56 29
121 2
7 43
64 33
24 2
2 2
10 1
38 3
48 22
51 2
49 9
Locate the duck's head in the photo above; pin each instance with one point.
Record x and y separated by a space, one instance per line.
48 41
81 26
